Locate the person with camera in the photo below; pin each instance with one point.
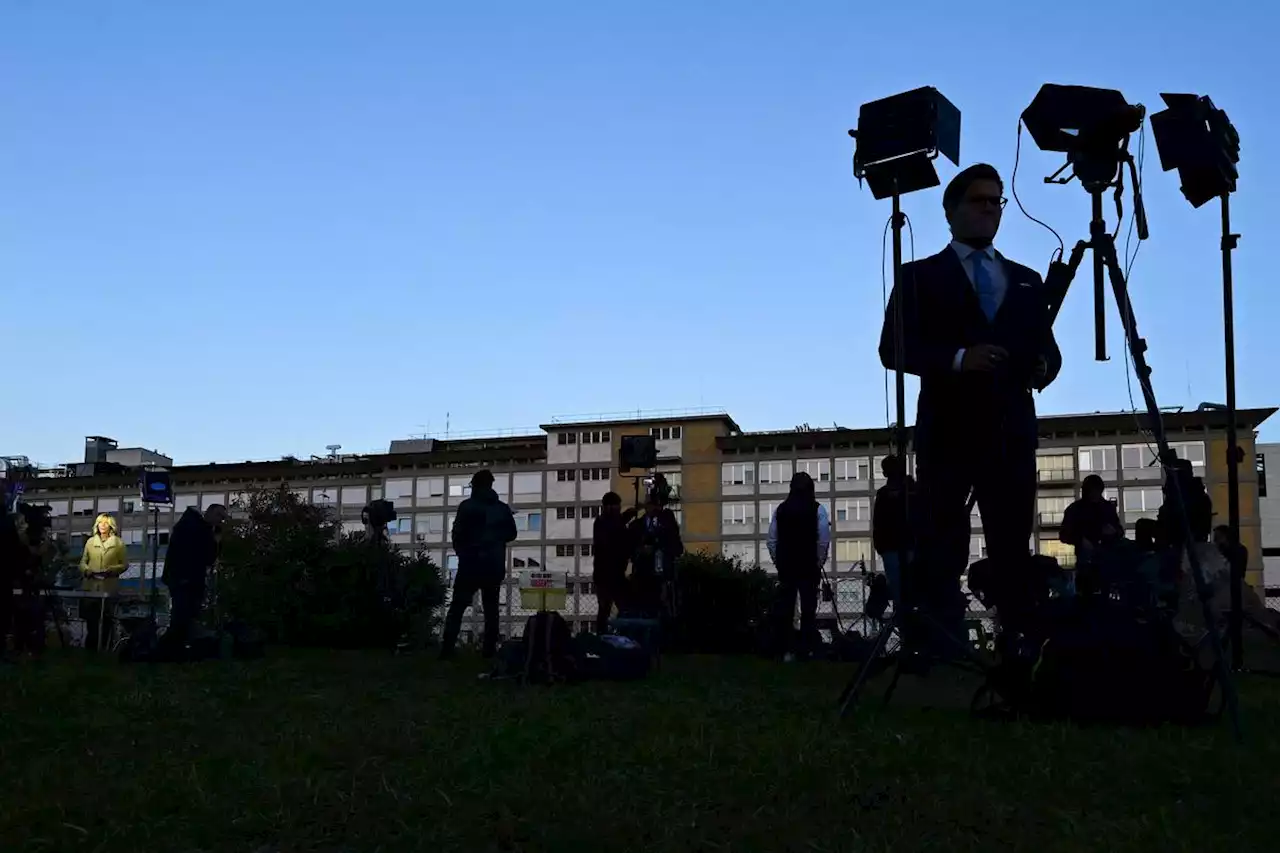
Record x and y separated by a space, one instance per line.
892 533
481 530
610 554
975 327
799 543
192 552
656 545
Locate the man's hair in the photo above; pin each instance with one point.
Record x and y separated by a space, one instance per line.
1225 530
482 479
1092 483
954 193
611 499
216 510
891 464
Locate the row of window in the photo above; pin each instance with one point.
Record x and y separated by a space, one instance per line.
745 514
604 436
779 472
569 475
1132 457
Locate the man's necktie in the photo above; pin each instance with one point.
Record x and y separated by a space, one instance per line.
982 283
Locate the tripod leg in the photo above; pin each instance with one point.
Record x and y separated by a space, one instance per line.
849 696
1137 351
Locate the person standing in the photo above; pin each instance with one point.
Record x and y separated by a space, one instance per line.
101 565
192 551
975 328
892 533
799 542
611 551
481 530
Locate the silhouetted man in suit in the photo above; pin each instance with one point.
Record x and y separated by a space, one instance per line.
975 329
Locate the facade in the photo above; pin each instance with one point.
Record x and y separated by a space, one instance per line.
727 481
1268 460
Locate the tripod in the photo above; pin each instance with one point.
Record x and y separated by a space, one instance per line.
1057 283
912 614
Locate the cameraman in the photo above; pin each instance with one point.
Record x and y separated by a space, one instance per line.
656 545
193 549
1092 521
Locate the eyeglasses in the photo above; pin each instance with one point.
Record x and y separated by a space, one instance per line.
988 201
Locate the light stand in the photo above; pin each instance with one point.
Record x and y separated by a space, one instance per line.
1057 283
898 138
1198 139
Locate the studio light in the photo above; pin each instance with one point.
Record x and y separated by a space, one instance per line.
898 138
1196 138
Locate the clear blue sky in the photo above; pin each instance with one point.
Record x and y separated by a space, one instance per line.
243 229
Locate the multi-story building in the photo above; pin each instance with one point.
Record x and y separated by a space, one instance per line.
728 482
1268 459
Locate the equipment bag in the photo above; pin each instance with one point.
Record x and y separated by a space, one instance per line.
548 649
610 657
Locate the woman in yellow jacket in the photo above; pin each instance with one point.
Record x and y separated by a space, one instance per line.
101 566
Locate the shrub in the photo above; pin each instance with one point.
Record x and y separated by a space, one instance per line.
285 571
724 605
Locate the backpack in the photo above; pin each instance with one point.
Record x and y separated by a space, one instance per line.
548 649
610 657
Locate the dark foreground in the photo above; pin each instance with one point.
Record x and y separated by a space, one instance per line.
364 752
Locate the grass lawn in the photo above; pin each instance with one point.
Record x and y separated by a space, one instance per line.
366 752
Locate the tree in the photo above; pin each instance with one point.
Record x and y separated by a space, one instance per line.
286 572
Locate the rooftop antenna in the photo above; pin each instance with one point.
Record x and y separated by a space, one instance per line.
446 426
333 450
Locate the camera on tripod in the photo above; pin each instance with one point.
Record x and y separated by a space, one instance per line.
378 514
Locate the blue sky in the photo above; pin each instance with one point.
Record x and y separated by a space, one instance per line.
238 230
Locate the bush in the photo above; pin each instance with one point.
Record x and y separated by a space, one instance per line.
724 605
286 572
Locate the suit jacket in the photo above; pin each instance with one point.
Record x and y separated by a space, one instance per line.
940 316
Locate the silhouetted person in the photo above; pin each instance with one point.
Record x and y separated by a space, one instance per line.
1146 535
799 541
1092 521
611 551
1236 553
656 545
976 330
892 532
192 551
481 530
1198 504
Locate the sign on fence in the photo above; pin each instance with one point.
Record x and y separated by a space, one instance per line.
543 590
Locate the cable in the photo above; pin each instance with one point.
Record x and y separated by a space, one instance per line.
1013 186
1129 367
884 300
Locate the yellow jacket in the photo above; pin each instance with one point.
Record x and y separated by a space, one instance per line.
103 556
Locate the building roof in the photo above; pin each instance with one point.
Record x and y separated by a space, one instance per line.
1097 423
641 418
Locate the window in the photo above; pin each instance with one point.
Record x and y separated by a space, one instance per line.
164 539
526 485
501 482
566 475
668 433
738 514
430 487
590 511
1058 468
57 509
584 550
459 488
744 552
404 524
853 509
130 507
567 438
818 469
1193 452
564 550
1052 507
1260 465
850 551
355 495
738 474
429 525
131 537
598 436
1060 551
530 522
1143 500
1135 457
563 513
451 564
856 469
767 509
399 492
775 472
181 502
82 507
109 505
595 474
977 548
525 560
1095 460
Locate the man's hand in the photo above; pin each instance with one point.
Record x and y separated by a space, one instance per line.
1040 373
983 358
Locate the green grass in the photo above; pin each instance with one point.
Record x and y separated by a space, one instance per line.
366 752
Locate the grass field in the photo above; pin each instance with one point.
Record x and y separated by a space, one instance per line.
365 752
